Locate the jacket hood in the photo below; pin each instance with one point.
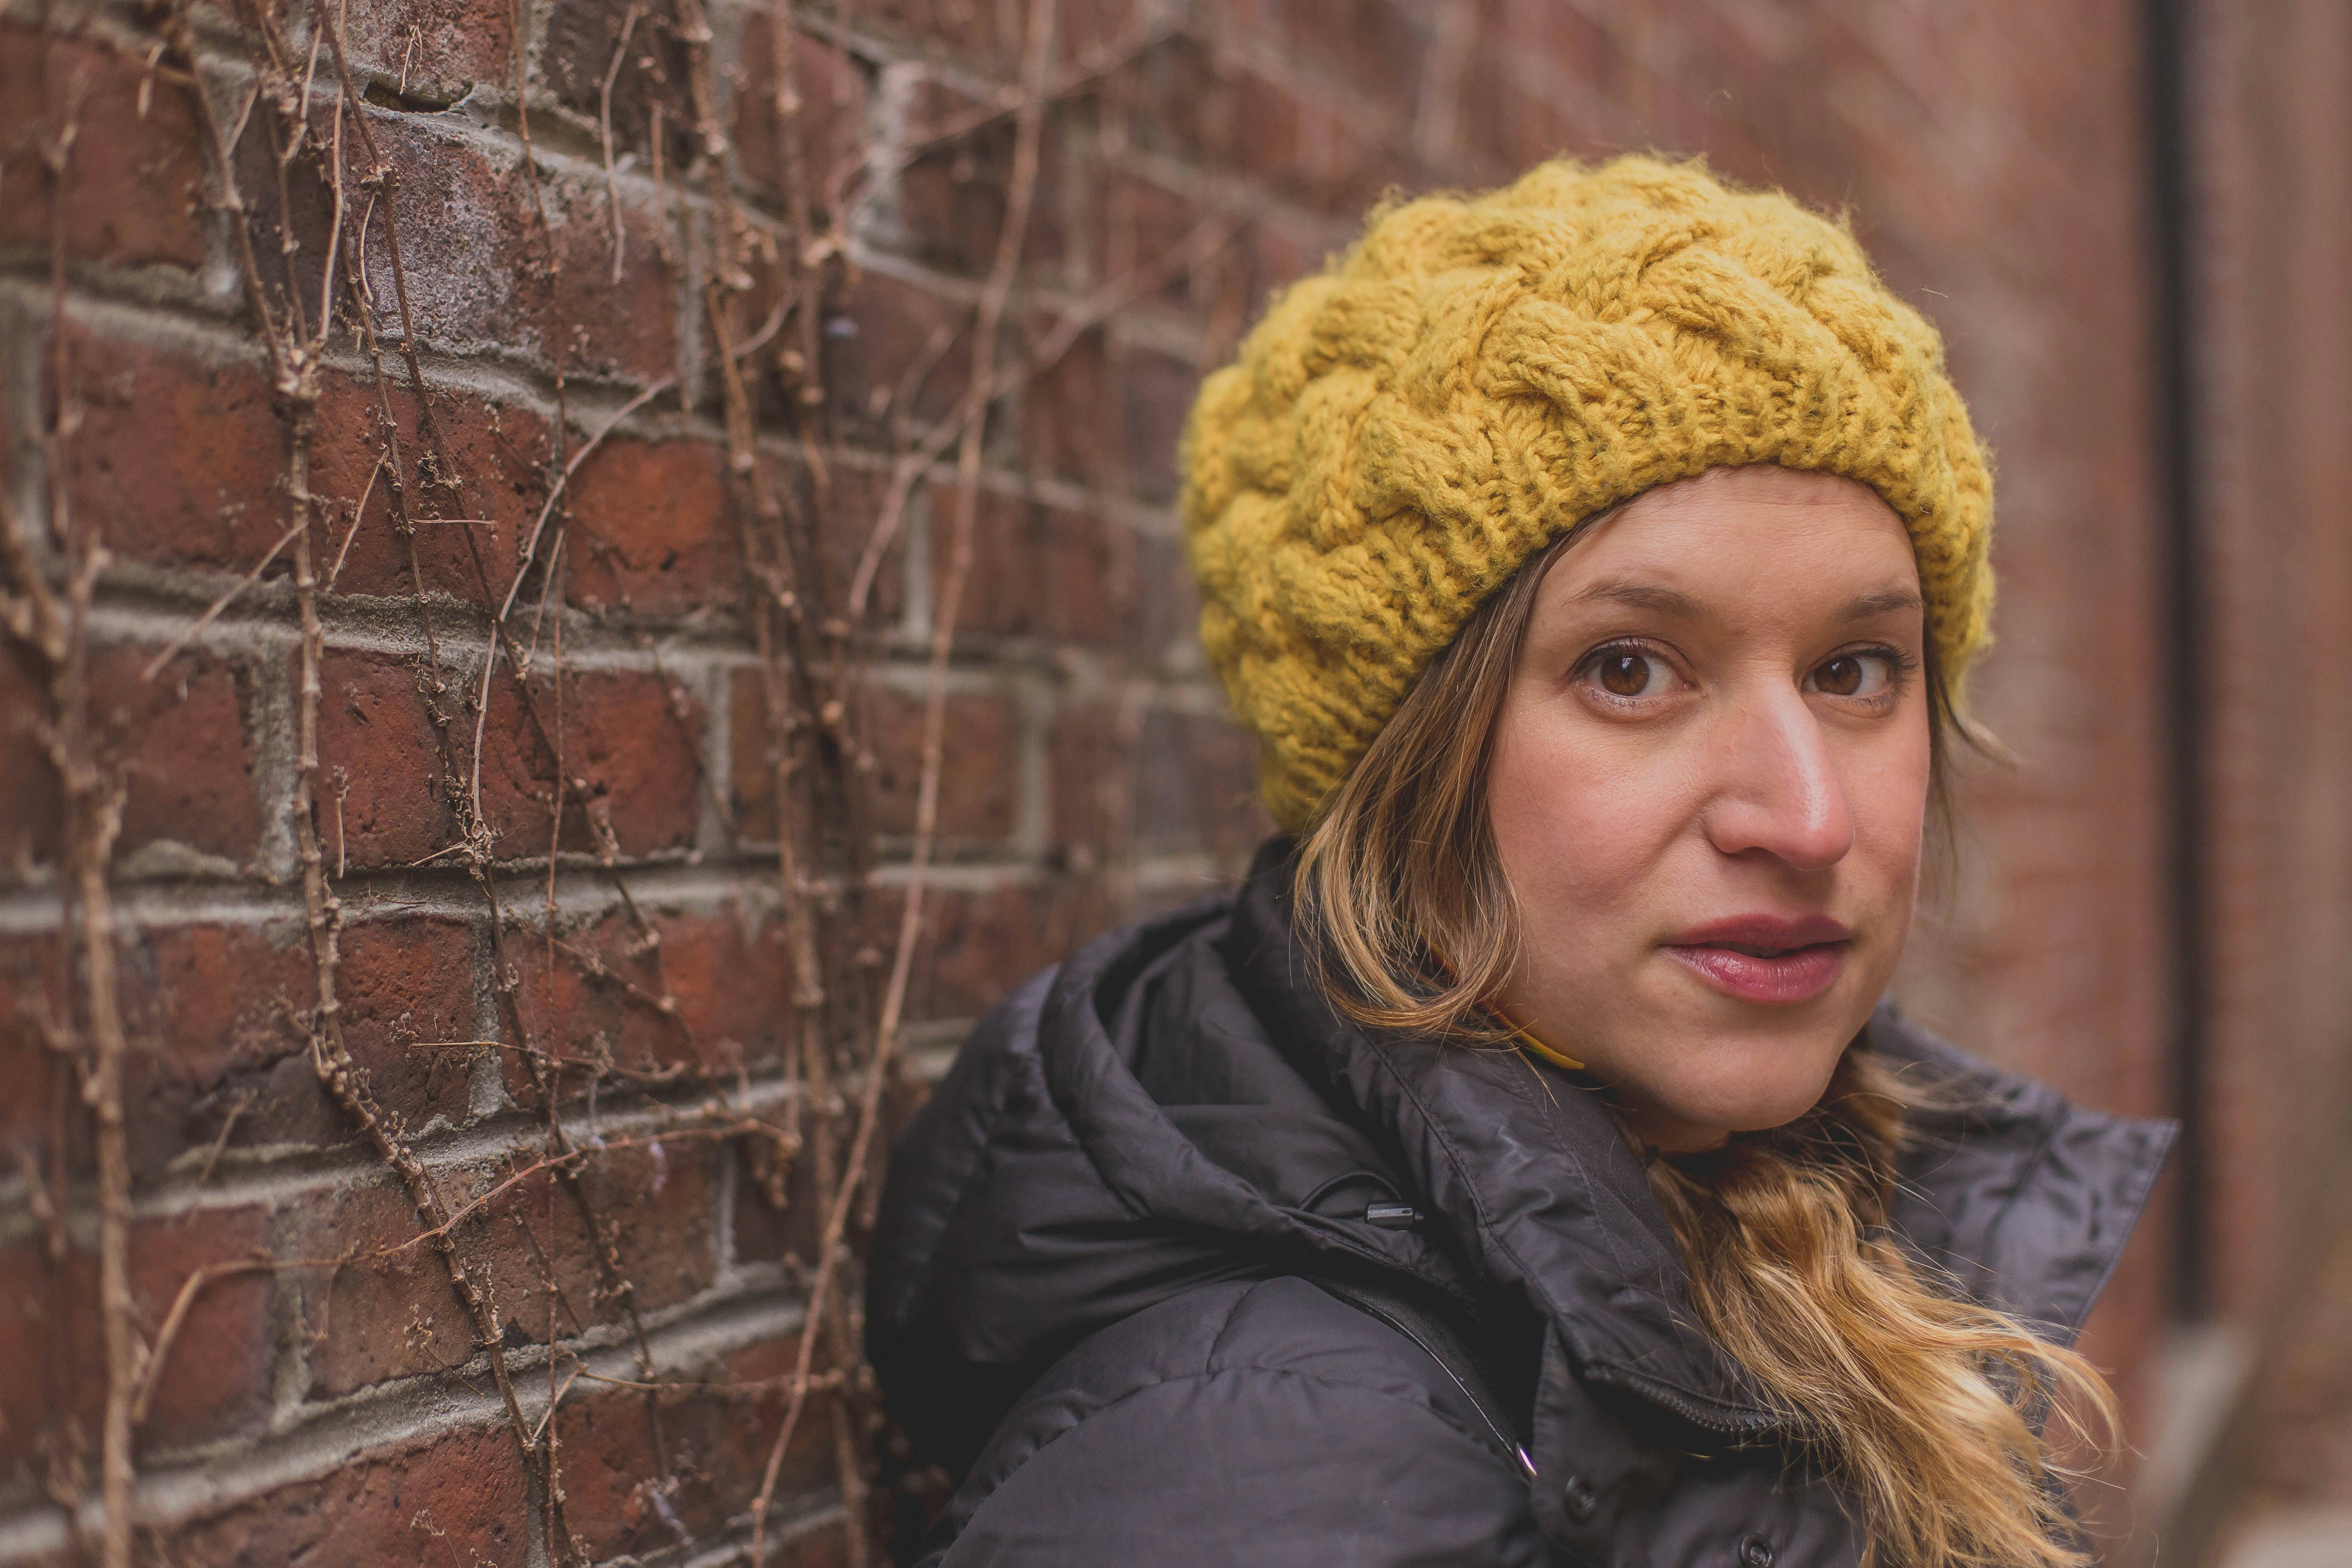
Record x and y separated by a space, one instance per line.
1178 1104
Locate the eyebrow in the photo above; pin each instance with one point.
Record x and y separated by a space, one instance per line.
1886 601
1641 595
1664 601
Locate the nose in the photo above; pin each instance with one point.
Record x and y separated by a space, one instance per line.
1777 787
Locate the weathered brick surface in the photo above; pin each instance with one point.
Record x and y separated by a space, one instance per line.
629 747
218 1060
629 1503
650 530
450 1493
1991 157
135 182
1058 575
599 996
824 105
431 52
187 752
180 459
392 753
178 456
216 1378
979 782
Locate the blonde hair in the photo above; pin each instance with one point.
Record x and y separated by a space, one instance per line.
1922 1403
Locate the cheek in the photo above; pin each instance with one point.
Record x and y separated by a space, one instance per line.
1890 813
1578 826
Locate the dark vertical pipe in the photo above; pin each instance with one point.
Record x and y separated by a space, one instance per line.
2183 640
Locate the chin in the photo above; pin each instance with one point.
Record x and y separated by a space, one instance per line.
1749 1086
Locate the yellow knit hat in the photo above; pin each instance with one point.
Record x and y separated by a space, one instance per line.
1479 373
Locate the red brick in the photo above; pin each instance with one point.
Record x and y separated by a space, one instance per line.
377 736
179 460
1196 787
731 984
652 529
828 124
895 356
979 782
501 455
953 200
631 744
978 946
1039 571
1085 28
32 802
972 31
220 1058
1159 398
407 989
655 1201
1304 146
217 1379
376 1301
1069 415
632 752
624 1501
52 1359
217 1056
1177 100
456 1497
1378 48
1139 224
580 36
977 793
133 176
183 752
477 266
431 53
1089 779
765 1233
1166 615
626 330
32 986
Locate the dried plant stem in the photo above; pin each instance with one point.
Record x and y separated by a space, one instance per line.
604 130
322 913
1206 238
993 299
59 641
295 360
96 814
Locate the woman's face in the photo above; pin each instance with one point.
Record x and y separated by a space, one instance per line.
1709 786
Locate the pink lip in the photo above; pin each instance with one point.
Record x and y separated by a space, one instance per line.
1802 960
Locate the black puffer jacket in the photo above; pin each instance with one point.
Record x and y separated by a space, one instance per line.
1086 1297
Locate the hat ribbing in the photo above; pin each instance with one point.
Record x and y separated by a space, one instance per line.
1476 374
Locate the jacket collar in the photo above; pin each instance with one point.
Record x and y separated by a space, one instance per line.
2026 1199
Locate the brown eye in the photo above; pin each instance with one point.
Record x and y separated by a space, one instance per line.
1865 675
1625 674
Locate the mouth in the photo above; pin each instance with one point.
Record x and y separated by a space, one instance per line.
1766 958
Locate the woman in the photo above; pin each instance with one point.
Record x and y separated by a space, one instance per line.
1521 1166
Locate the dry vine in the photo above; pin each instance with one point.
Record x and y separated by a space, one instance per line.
814 629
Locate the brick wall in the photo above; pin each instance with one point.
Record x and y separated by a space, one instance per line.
643 410
2276 360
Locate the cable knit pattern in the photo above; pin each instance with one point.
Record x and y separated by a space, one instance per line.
1479 373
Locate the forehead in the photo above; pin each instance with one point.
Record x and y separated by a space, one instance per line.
1759 539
